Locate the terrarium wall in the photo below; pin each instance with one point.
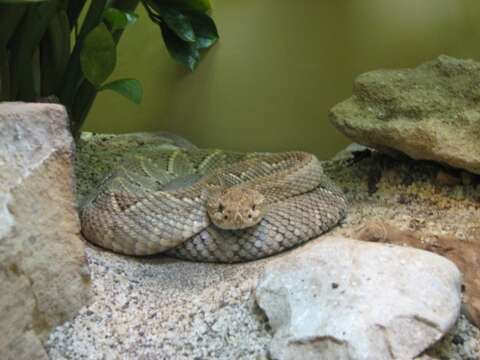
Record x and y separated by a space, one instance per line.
277 70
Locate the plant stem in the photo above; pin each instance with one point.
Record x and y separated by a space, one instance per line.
10 16
86 93
23 45
54 53
4 75
73 74
83 102
74 9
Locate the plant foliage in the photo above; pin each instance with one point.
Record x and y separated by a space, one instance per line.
186 28
46 50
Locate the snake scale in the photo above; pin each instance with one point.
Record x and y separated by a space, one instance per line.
212 205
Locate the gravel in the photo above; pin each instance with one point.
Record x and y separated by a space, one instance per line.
161 308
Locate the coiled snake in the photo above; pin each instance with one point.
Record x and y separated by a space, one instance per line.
212 205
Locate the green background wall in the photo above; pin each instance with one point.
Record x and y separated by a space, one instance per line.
279 67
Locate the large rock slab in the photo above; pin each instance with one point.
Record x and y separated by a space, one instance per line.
431 112
348 299
43 277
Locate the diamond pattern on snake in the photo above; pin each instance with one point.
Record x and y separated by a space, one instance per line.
212 205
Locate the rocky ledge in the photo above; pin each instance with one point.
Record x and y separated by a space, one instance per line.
351 299
431 112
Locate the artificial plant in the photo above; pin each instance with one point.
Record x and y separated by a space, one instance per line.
67 48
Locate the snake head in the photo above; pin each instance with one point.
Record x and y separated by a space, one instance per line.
236 208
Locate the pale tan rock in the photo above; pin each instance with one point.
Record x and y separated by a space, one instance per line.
347 299
431 112
44 277
464 253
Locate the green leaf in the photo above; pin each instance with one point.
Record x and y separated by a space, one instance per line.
184 52
205 30
119 19
98 55
186 28
130 88
178 23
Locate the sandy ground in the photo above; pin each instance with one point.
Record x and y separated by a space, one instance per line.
161 308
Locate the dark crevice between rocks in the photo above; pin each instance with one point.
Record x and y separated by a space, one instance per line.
379 169
324 342
386 338
261 317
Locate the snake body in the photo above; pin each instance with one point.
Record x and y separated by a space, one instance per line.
175 201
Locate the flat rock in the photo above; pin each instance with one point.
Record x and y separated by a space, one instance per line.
348 299
431 112
44 277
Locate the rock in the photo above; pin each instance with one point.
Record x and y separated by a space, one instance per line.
43 277
348 299
158 307
457 344
352 152
431 112
465 253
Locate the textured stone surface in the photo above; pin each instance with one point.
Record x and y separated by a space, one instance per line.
349 299
431 112
43 277
161 308
465 253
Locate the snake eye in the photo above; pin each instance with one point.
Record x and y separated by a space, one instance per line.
249 216
225 217
220 207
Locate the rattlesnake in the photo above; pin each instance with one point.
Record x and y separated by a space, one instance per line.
212 205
